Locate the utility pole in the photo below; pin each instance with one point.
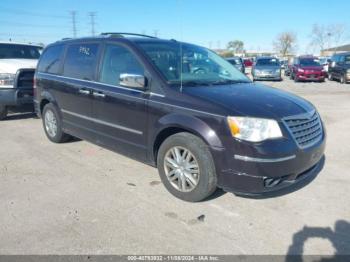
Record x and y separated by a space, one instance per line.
92 22
74 23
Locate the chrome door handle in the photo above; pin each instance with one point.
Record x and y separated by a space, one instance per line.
98 94
84 92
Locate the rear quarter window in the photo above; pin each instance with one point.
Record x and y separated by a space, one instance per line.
81 61
51 60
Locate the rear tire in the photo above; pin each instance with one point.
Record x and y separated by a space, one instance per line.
186 167
52 124
3 112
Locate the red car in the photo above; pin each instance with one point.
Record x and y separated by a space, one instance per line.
248 62
307 68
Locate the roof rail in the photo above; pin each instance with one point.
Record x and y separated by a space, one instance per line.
118 34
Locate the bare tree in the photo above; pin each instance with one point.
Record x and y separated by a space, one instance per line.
326 36
337 32
236 46
320 36
285 43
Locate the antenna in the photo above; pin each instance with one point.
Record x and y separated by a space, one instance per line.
181 39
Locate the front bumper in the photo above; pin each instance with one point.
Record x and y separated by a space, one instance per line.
259 175
267 77
310 77
16 97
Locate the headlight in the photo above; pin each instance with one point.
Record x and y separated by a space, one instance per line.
300 70
278 71
7 80
253 129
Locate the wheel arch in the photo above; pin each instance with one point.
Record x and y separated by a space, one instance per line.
176 123
46 98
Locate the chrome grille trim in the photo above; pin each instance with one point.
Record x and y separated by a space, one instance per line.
306 129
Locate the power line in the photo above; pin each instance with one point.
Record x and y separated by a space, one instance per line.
92 16
74 25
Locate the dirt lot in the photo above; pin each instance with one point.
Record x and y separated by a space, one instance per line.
77 198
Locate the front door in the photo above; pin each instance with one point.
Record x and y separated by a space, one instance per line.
120 112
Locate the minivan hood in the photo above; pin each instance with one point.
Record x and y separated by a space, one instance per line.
12 65
251 99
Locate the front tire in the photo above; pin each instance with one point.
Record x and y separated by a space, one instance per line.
342 79
330 77
186 167
3 112
52 124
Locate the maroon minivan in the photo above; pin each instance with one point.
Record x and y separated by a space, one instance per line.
181 108
307 68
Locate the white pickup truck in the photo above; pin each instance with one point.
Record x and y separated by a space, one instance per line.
17 67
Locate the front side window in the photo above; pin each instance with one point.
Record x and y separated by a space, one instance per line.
14 51
81 61
118 60
268 62
51 59
188 64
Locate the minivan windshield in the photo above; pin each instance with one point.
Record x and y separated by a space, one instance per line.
191 65
267 62
15 51
309 62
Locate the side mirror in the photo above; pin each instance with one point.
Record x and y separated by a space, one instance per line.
132 80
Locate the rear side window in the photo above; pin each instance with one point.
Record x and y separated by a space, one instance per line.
51 60
81 61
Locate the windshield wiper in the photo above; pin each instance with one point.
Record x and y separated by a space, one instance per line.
190 83
228 81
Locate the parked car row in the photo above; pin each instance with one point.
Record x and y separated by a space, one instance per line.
17 66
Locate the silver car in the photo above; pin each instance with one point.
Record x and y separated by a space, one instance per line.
267 68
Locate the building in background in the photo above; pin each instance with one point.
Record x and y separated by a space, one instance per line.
334 50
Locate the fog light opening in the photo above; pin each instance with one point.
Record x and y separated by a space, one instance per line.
271 182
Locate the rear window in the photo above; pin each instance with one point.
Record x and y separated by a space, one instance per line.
81 61
14 51
268 62
51 60
234 61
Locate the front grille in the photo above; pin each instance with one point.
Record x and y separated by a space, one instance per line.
306 129
25 78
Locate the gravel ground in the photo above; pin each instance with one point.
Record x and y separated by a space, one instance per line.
77 198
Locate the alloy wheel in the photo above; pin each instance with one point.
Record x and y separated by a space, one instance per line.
181 169
50 123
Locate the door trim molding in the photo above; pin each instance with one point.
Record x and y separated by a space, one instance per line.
98 121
